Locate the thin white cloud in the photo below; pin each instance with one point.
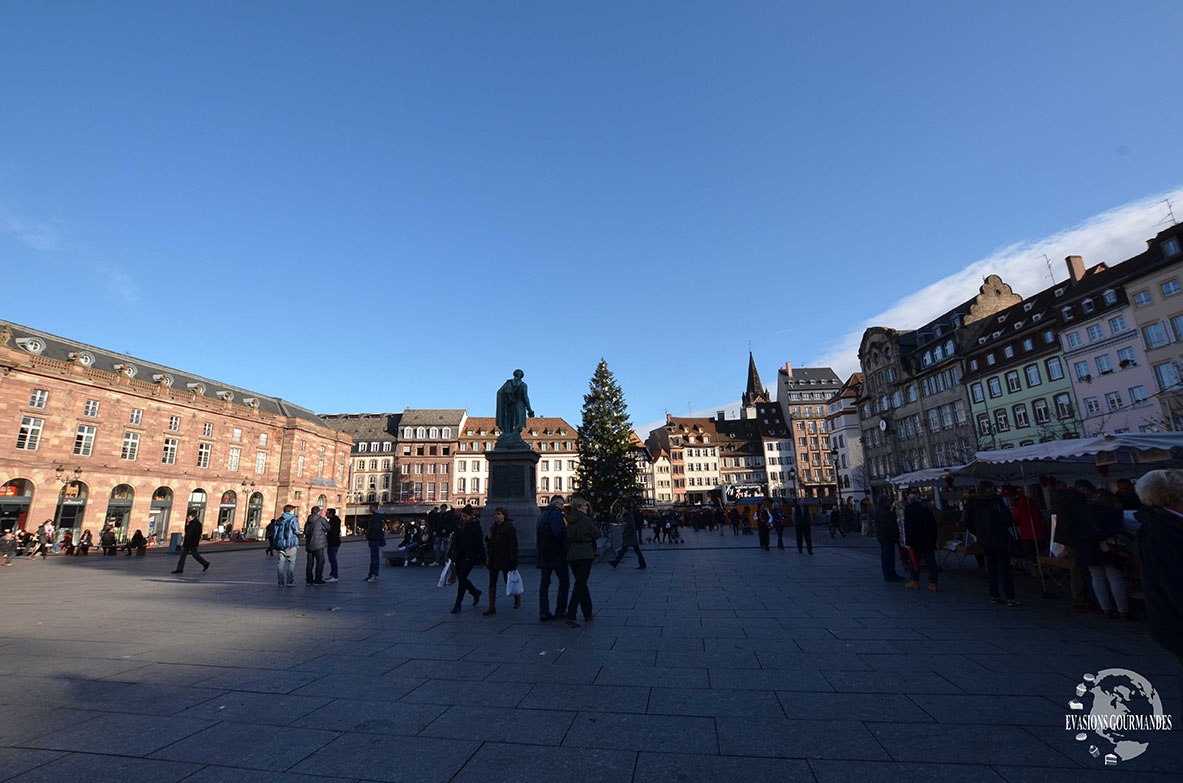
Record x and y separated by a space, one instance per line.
39 235
1112 237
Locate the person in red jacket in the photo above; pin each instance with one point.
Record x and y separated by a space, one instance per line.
1029 520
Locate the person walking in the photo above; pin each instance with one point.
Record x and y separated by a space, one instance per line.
285 541
467 552
778 524
733 518
836 522
988 518
190 543
1097 523
551 542
582 534
887 533
920 533
445 526
762 527
269 532
7 548
803 522
334 542
41 541
502 543
1160 549
376 539
316 541
634 523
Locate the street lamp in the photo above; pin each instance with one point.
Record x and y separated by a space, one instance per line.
793 478
67 478
837 476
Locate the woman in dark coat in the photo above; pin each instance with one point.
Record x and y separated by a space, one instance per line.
762 527
138 543
467 551
503 555
1100 519
85 542
1160 550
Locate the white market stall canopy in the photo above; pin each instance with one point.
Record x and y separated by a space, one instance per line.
1127 454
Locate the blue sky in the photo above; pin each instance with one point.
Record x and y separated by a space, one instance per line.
369 206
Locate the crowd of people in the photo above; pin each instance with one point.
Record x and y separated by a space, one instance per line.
40 542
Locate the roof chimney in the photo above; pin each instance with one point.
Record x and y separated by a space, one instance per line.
789 369
668 417
1075 268
720 415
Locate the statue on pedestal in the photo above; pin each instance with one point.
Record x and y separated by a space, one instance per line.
513 408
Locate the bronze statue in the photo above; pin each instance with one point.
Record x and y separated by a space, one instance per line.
513 407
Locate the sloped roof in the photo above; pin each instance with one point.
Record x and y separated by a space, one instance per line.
811 376
63 348
432 417
365 426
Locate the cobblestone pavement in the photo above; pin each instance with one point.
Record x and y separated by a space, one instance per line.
717 661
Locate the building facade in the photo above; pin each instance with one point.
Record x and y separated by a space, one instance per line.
1157 306
803 394
428 440
373 479
553 438
846 443
105 438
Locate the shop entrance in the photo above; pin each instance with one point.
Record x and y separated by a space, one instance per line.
15 498
71 509
226 511
119 510
158 515
254 514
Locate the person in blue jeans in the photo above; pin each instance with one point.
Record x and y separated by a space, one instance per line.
286 541
334 542
375 537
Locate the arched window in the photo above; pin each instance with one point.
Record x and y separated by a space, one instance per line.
371 498
385 497
447 433
948 348
421 432
435 433
373 464
385 464
407 433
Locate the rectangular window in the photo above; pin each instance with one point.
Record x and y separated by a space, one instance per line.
1055 369
1113 400
38 398
476 485
462 465
300 466
1040 411
959 413
263 439
1154 335
1021 420
168 455
236 435
1028 344
260 462
1049 336
29 435
1012 382
977 392
1117 324
1170 288
1063 404
1104 364
174 424
207 430
1167 376
91 408
1095 332
84 440
1138 395
546 464
983 424
461 484
234 458
136 417
995 387
443 490
934 422
1142 298
1092 406
418 469
1073 339
1008 352
1001 421
444 468
131 446
1082 371
320 468
203 453
1126 357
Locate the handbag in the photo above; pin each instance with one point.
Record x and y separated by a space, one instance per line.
447 575
513 583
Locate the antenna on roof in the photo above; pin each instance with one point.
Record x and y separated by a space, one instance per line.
1170 213
1048 261
687 408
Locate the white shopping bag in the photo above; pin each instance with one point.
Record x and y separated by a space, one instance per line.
448 575
1056 550
513 584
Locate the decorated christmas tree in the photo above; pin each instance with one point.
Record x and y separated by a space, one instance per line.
607 471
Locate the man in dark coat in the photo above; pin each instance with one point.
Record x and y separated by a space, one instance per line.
887 533
552 558
803 522
988 518
375 537
190 542
334 542
1066 505
778 524
316 541
467 552
634 523
920 531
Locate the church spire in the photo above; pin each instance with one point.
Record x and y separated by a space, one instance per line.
755 391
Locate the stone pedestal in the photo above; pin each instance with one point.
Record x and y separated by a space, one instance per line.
512 484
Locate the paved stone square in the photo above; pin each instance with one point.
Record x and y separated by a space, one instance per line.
718 661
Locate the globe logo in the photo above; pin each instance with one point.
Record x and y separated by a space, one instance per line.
1116 711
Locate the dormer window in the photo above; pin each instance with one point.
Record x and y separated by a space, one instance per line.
1110 296
223 394
1027 307
1060 291
1066 313
82 357
1036 318
126 369
30 344
196 388
1087 305
163 379
1170 248
250 402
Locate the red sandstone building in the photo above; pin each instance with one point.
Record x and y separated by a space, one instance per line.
97 437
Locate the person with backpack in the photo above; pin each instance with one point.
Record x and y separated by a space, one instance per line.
285 540
551 541
988 518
